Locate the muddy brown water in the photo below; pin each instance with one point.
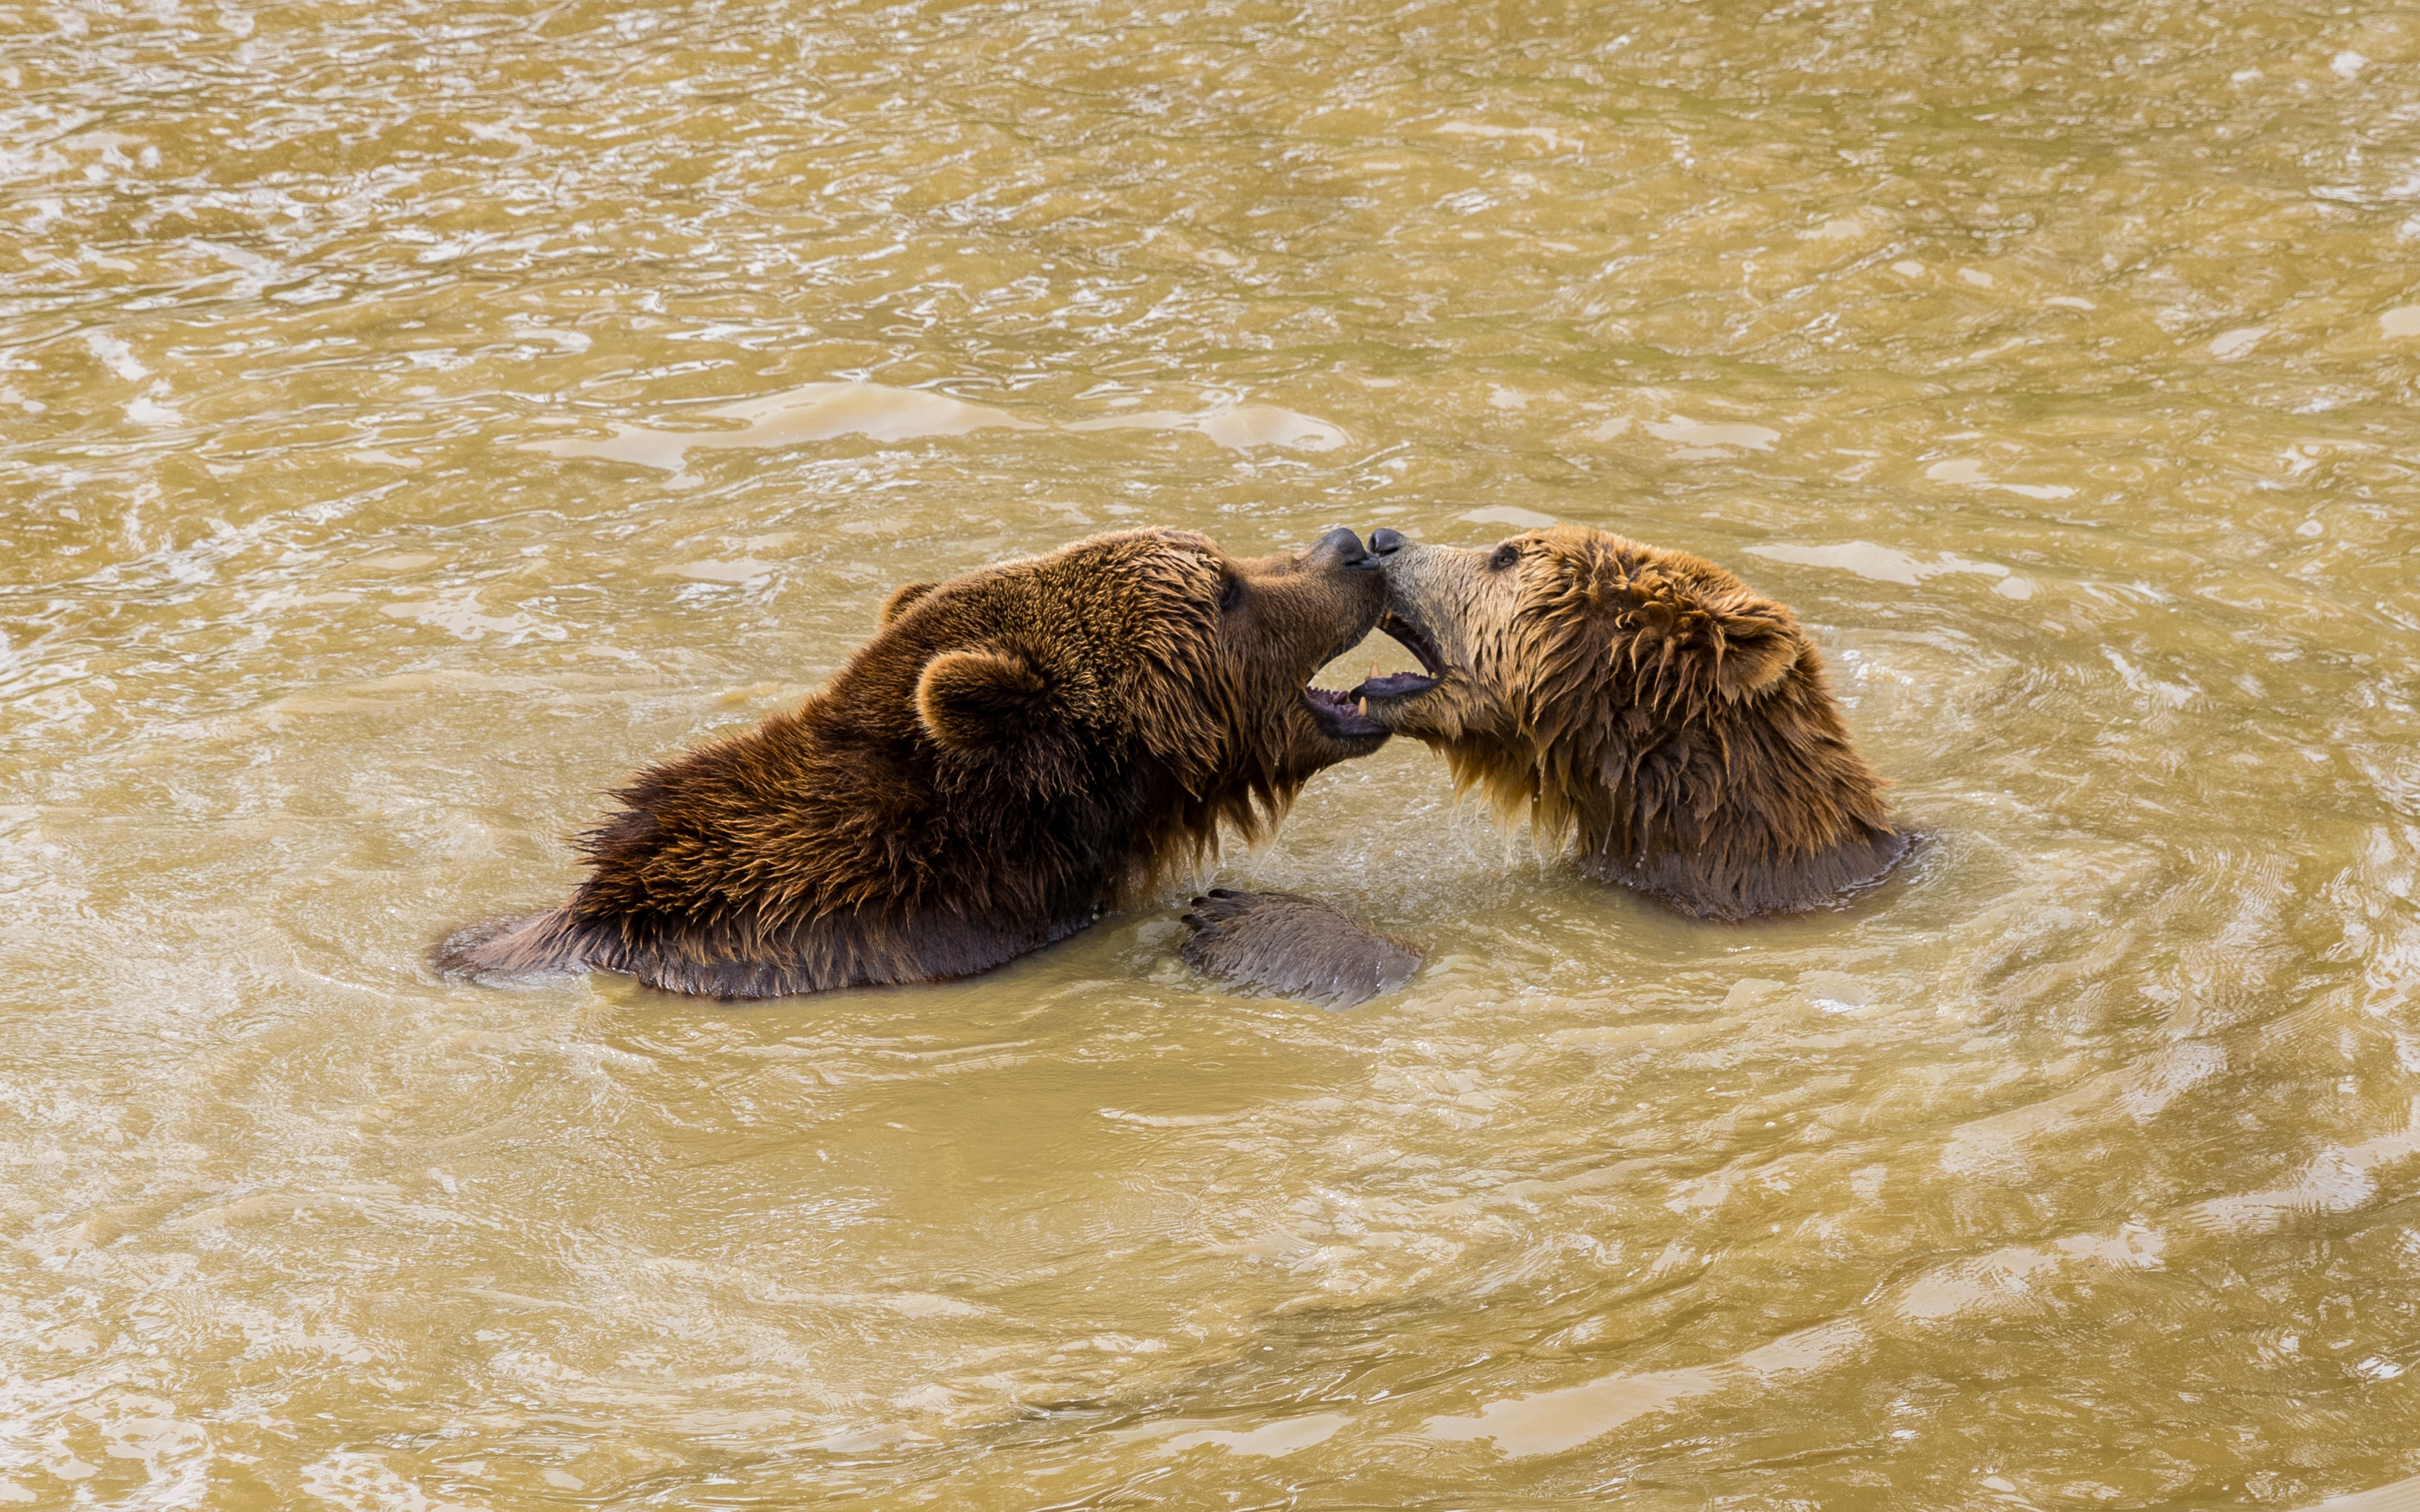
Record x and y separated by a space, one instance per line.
415 416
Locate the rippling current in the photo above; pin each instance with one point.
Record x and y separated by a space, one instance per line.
414 416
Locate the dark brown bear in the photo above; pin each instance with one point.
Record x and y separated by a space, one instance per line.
1644 704
1016 750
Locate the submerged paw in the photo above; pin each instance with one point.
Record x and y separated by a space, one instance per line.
1294 947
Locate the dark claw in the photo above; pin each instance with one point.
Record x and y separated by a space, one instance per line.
1220 892
1190 918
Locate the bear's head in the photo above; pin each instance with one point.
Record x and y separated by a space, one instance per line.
1132 663
1646 704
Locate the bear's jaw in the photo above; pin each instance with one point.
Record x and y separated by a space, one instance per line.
1406 632
1445 705
1345 720
1409 636
1393 689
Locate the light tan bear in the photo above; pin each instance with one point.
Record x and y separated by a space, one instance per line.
1645 707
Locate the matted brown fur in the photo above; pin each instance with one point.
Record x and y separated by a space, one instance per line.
1016 750
1643 705
1295 947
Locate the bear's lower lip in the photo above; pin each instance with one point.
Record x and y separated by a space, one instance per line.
1394 686
1340 715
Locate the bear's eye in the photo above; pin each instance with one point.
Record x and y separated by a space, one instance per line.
1231 592
1508 555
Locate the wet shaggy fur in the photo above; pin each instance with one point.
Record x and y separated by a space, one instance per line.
1016 750
1294 947
1643 705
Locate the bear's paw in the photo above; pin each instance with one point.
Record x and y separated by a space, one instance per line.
1294 947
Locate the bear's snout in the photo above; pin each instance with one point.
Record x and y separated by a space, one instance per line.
1340 547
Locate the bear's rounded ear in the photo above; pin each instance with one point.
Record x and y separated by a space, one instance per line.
1756 650
904 599
972 702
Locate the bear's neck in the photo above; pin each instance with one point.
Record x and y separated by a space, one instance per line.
1710 885
1737 812
1757 808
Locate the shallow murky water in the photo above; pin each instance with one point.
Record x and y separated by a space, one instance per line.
415 416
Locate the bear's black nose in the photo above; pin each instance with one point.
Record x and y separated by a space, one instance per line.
1385 543
1341 547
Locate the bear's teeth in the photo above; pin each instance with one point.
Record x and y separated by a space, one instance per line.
1365 704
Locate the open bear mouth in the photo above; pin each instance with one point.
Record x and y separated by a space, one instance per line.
1340 714
1404 684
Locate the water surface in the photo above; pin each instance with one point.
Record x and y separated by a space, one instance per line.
412 417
